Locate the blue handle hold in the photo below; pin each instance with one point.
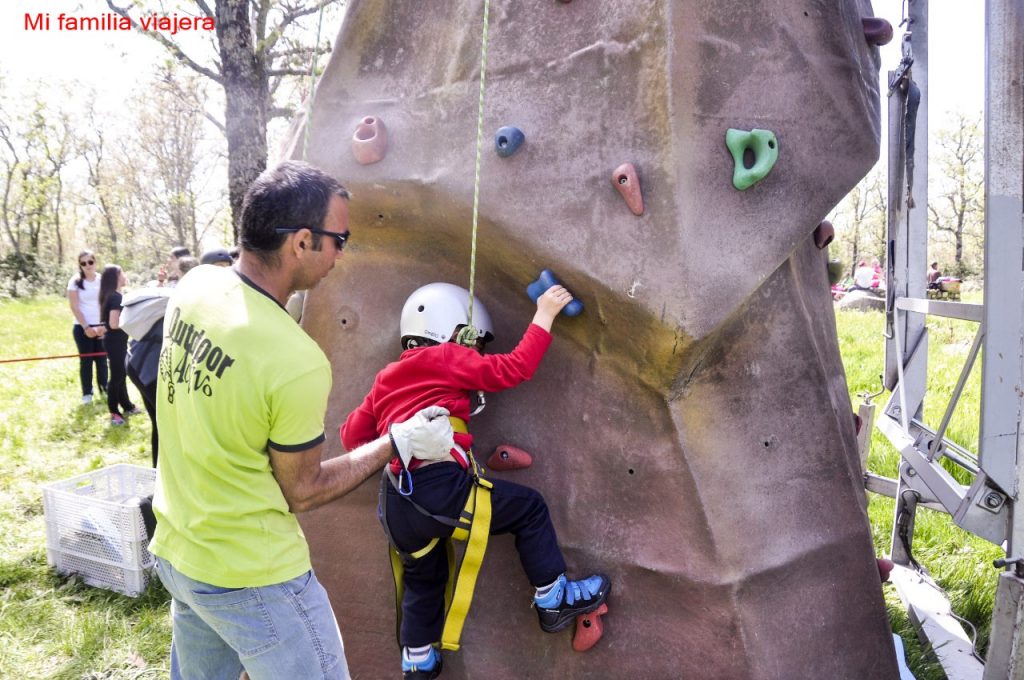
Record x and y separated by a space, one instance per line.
546 280
507 140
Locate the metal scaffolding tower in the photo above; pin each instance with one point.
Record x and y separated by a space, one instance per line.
986 507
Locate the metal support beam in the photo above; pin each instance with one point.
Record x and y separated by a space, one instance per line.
951 310
1005 650
929 610
1001 447
908 206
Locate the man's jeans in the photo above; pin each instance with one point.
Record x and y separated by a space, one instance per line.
285 630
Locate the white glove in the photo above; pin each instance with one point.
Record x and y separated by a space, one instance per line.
427 435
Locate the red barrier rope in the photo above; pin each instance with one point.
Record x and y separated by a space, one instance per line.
62 356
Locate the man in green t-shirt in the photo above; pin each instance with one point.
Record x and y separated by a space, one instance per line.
241 396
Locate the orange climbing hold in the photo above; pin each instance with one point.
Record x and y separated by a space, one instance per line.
589 629
507 457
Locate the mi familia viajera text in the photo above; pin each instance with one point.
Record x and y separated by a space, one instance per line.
109 21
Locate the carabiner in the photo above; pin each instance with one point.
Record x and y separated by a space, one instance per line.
407 475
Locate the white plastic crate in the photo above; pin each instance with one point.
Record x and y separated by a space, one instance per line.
94 527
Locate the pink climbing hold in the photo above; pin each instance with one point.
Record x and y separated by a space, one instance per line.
627 182
507 457
589 629
877 30
823 234
370 141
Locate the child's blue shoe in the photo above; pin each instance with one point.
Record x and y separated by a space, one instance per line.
568 599
421 669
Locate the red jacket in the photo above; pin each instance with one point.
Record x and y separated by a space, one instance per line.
440 375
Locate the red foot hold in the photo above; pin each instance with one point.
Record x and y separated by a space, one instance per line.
823 234
627 182
507 457
858 423
589 629
884 567
877 30
370 141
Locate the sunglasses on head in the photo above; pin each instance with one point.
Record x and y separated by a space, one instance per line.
87 263
340 238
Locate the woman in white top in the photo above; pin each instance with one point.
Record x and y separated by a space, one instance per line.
83 296
863 276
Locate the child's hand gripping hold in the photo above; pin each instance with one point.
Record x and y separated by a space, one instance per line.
549 304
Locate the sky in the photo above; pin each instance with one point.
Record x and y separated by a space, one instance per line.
114 62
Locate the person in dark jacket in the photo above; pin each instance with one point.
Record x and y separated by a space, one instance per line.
115 343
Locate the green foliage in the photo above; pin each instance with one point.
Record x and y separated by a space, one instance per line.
958 561
53 626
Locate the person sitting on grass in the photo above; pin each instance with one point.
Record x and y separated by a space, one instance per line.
434 369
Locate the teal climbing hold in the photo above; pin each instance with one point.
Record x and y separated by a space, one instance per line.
762 144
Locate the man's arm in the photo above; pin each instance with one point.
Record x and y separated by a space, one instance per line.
308 483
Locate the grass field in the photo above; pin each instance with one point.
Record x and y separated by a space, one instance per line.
958 561
54 627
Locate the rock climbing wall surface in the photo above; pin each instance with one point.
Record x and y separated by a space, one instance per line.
691 429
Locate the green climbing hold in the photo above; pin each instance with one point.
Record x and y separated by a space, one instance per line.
762 144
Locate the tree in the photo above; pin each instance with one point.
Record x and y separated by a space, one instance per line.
956 205
257 48
36 146
860 221
150 184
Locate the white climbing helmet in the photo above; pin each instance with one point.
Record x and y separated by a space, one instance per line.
434 310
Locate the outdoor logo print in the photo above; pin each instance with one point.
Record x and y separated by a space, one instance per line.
199 363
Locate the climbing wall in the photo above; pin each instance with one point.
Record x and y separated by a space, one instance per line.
691 429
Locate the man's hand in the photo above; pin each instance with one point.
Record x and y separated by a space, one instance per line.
427 435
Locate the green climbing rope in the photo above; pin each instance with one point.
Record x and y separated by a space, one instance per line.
468 335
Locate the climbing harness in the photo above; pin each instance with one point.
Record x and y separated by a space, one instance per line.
473 525
467 336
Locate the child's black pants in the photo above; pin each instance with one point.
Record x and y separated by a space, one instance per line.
442 489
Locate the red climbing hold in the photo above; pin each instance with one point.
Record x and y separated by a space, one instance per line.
507 457
370 141
823 234
877 30
627 182
858 423
589 629
884 567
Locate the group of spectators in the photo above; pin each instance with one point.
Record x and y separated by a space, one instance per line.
95 299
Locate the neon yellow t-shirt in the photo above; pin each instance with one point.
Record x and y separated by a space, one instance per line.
236 374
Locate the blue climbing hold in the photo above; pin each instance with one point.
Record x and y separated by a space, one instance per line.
546 280
507 140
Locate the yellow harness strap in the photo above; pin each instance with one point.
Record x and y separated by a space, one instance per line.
477 515
474 528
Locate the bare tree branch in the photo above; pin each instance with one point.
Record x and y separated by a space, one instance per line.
288 19
206 8
281 112
171 46
286 72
